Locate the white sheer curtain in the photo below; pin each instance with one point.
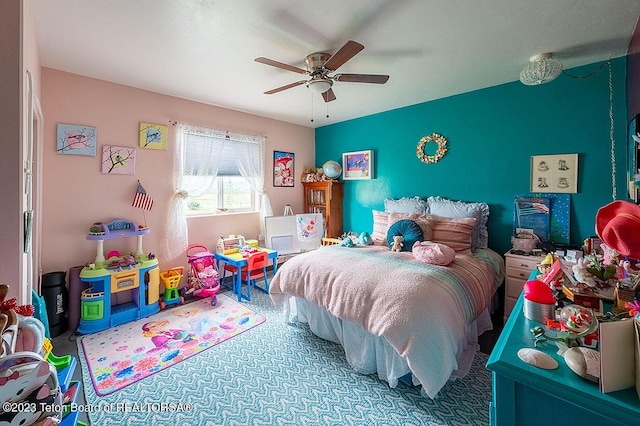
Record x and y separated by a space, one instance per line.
249 154
191 178
195 168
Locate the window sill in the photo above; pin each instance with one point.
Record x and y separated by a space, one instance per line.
221 214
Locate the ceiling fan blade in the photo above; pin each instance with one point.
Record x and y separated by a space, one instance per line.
362 78
277 64
329 96
288 86
346 52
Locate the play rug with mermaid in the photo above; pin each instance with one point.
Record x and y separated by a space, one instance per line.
125 354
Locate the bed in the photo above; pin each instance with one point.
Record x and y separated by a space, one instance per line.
392 313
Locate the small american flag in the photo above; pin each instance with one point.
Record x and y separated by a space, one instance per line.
142 200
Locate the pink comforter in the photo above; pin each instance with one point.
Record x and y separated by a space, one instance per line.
422 310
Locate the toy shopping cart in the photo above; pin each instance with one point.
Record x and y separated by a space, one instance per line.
203 275
171 280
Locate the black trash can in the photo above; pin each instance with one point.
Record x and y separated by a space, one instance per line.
56 299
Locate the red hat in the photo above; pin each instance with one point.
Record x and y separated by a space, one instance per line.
618 226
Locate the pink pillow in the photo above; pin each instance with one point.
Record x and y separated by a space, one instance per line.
433 253
380 227
454 232
423 221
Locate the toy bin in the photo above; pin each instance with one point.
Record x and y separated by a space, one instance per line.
40 311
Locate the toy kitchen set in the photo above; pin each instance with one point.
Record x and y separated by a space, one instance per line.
121 288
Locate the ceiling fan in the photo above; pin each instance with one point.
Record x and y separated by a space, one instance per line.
320 65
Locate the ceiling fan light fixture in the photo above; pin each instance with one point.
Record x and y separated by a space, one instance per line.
541 69
319 85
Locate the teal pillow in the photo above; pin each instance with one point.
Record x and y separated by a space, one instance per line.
409 230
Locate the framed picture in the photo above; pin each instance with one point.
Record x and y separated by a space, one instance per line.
283 168
76 139
153 136
357 165
554 173
118 160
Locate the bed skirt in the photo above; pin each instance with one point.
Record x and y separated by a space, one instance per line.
367 353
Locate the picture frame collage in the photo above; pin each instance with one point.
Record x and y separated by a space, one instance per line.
78 139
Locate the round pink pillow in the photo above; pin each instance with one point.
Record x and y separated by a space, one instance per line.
433 253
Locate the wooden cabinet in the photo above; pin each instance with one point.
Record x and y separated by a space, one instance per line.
518 268
326 198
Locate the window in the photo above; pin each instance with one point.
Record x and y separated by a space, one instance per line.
211 171
228 194
200 171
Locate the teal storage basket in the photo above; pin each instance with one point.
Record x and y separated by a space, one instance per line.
40 311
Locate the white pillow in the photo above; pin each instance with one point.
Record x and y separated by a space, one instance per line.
405 205
448 208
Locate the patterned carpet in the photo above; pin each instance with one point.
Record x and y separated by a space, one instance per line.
281 374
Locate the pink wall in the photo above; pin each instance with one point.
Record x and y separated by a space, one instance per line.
31 54
633 74
76 193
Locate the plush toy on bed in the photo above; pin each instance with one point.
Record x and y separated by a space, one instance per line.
347 242
433 253
365 239
397 243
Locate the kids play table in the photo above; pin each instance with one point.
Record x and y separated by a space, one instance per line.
236 259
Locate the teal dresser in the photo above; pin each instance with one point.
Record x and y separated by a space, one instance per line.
526 395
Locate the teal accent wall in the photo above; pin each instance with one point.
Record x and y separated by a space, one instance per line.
492 134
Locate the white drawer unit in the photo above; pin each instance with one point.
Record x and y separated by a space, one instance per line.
518 269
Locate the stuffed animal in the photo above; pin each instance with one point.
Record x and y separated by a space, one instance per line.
9 320
347 242
351 234
397 243
365 239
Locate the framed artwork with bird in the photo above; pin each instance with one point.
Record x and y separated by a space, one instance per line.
118 160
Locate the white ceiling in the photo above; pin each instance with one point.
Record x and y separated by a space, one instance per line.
204 50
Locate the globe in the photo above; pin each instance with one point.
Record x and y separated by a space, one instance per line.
331 169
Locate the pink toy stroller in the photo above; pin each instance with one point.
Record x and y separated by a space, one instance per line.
203 277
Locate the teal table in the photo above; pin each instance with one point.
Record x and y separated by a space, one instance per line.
236 259
527 395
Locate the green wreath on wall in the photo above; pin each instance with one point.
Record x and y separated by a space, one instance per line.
442 148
